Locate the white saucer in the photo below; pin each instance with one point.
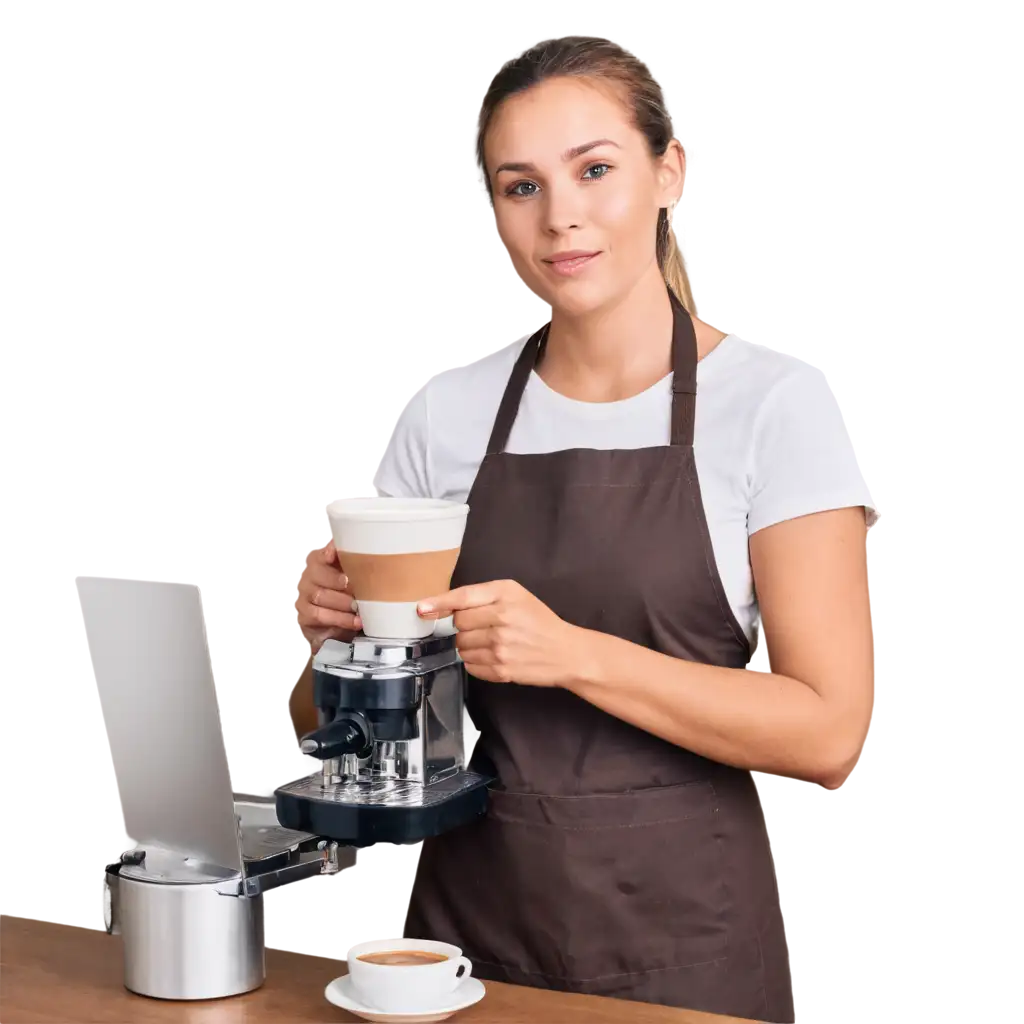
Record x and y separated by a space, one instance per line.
466 993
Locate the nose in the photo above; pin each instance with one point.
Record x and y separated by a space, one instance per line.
563 207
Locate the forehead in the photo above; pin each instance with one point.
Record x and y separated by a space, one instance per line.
538 125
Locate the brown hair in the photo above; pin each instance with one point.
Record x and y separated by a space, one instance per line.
593 57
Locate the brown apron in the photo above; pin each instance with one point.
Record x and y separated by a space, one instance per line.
610 861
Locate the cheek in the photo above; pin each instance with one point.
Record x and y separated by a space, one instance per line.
616 207
625 220
517 234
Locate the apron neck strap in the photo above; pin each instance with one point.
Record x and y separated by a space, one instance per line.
517 381
684 381
684 374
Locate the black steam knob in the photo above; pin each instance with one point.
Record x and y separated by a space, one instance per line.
349 733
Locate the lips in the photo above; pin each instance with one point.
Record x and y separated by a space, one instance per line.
565 264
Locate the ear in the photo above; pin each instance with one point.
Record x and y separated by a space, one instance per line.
671 173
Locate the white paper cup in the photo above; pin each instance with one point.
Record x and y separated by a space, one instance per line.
390 620
396 552
406 989
394 526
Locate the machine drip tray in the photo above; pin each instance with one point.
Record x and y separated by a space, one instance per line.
384 811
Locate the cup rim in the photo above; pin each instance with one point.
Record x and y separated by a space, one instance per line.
452 952
396 510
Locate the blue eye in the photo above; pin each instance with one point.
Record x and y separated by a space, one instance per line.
524 189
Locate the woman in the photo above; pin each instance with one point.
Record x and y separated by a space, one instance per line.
642 488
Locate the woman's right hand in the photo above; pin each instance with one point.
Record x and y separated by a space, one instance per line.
325 609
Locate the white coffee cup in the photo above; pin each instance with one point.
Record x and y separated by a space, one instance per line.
406 988
399 619
397 552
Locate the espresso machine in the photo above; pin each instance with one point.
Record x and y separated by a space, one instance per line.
390 740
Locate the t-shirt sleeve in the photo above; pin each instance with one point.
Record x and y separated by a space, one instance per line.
404 471
802 459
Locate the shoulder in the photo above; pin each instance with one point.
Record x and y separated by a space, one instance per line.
461 402
483 378
756 373
462 394
799 455
442 433
745 390
790 396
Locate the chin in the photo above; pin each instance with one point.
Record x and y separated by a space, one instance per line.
574 298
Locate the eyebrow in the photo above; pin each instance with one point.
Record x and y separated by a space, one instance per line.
569 154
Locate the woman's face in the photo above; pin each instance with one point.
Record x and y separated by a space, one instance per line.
550 199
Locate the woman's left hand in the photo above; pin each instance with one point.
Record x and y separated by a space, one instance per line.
506 635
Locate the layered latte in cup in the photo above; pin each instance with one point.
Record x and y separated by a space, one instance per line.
396 552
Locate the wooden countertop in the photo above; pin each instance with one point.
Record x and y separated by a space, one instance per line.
54 973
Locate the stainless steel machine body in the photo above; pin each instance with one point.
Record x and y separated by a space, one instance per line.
390 737
195 931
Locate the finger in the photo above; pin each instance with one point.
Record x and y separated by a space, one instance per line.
477 618
476 640
326 576
324 597
476 595
322 556
486 671
315 615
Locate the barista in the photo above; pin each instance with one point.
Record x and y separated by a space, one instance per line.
645 493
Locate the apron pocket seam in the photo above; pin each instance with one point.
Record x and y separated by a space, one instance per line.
591 828
597 977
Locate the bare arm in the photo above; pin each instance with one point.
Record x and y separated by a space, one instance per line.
809 716
300 703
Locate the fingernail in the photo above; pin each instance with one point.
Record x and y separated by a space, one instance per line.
425 608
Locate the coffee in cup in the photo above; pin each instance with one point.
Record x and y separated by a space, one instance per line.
406 975
404 957
396 552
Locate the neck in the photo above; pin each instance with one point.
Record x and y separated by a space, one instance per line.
618 349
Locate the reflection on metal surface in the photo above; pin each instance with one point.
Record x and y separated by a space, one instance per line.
393 792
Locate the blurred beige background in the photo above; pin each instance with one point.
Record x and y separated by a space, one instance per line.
230 242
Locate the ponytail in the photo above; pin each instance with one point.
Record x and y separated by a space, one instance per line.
672 264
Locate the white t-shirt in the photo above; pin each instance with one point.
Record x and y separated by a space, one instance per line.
769 442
